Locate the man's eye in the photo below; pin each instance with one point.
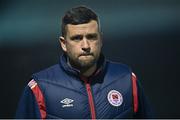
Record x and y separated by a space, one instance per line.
78 37
92 37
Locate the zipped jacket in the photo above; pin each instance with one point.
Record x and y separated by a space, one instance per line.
60 91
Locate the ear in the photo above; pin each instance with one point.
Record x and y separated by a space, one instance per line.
63 43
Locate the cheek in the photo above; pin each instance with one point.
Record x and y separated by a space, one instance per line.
73 50
97 46
70 47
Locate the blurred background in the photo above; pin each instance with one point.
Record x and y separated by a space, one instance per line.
143 34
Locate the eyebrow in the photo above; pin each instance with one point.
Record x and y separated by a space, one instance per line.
92 35
80 36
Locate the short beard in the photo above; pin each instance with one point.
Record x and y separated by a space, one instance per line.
82 65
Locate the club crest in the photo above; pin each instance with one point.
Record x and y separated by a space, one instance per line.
115 98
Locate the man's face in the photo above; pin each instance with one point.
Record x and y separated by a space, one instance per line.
82 44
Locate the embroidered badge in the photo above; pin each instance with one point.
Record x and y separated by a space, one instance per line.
115 98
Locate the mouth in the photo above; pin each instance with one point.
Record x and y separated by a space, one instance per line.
86 54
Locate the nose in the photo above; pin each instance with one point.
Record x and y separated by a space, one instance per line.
85 45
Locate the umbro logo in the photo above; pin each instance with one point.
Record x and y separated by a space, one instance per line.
67 102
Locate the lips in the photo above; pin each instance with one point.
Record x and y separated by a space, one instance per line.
86 54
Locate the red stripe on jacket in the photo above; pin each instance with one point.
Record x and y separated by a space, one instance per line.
39 97
90 97
135 92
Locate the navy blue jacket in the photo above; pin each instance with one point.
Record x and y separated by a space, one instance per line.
61 92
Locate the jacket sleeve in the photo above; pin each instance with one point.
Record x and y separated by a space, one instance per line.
28 106
144 107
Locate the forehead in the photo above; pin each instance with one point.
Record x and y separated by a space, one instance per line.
91 27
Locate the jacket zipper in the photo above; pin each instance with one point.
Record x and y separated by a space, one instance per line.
90 98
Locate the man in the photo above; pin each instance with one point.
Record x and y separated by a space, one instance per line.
84 84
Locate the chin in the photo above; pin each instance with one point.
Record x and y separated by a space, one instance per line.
86 64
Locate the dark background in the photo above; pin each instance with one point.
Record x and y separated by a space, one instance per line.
143 34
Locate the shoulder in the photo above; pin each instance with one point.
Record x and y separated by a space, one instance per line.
117 71
47 73
117 67
117 74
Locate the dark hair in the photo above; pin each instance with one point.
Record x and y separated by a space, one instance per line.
77 15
